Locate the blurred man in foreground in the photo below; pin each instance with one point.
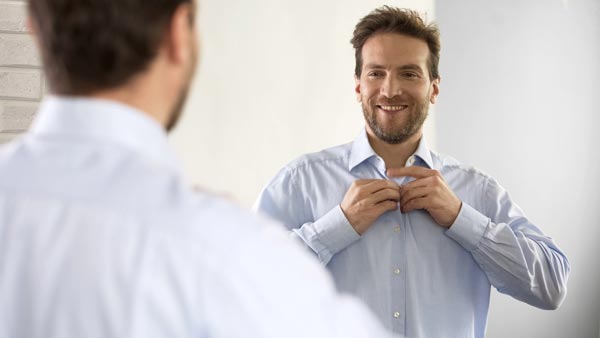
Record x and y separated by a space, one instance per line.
100 236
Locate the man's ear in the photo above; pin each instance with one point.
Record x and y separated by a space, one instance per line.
357 88
179 35
31 28
436 90
29 25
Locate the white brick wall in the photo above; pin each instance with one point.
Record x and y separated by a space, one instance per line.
21 78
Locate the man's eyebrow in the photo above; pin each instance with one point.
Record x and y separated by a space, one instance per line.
374 66
411 67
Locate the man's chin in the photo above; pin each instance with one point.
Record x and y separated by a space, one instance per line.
176 112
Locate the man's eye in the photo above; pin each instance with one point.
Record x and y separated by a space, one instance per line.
375 74
410 75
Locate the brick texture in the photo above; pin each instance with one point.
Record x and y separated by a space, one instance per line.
18 50
16 116
13 16
22 85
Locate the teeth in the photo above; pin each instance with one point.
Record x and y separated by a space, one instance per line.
392 107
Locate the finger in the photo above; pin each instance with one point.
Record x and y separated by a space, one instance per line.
415 204
409 194
363 182
384 206
420 182
385 194
380 185
414 171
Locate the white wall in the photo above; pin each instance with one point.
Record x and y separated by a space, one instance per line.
519 99
275 81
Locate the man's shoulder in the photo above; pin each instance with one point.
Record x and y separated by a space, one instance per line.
221 225
209 208
449 165
336 155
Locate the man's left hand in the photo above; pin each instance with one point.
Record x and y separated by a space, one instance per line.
428 191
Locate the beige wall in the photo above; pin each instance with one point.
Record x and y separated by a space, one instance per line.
275 81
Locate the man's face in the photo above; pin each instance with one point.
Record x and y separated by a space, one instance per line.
394 87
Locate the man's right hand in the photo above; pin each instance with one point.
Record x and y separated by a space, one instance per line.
366 200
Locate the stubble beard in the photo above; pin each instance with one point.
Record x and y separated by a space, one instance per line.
396 134
177 109
180 103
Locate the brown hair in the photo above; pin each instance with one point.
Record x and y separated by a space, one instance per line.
87 45
388 19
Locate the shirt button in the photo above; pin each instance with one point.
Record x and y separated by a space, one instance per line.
397 271
410 161
396 314
397 229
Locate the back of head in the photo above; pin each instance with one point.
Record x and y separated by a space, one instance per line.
408 22
90 45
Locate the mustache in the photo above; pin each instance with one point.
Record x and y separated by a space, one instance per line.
394 101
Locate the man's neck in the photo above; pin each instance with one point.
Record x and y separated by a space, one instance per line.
394 155
145 92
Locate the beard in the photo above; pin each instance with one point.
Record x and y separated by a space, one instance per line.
178 108
175 113
395 133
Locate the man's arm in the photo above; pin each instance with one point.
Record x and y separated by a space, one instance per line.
362 204
516 256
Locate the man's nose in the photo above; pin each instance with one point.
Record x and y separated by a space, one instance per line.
391 87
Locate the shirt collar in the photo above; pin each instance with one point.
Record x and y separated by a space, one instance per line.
104 121
362 151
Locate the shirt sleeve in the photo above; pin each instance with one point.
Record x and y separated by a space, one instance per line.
517 257
284 201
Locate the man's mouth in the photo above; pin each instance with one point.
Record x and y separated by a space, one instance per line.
392 108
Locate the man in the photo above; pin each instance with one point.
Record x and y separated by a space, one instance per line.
418 236
100 236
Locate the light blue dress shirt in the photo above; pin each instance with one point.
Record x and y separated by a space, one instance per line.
100 236
421 280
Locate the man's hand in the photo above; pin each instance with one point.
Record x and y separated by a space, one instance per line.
366 200
428 191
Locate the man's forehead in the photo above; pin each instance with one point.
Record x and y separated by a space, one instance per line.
392 49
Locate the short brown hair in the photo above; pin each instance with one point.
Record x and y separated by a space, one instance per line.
98 44
388 19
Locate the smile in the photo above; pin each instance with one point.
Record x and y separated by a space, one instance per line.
392 108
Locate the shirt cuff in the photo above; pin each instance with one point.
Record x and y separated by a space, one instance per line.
334 231
469 227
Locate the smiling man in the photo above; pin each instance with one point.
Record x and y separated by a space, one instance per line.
418 236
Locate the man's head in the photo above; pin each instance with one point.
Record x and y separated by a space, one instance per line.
94 46
396 72
400 21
